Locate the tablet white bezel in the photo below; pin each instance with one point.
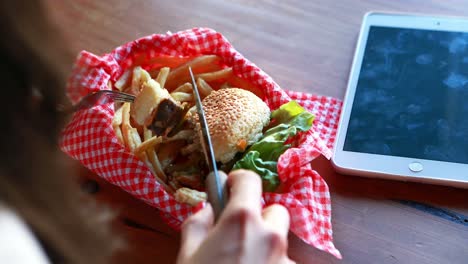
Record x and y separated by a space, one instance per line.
374 165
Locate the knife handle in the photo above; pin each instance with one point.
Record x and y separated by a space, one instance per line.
217 202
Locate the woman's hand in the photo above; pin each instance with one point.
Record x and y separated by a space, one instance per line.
244 233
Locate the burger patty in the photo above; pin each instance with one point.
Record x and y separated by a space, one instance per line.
166 116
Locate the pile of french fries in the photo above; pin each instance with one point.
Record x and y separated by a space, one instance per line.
160 152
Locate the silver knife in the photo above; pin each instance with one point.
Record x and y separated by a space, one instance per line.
215 180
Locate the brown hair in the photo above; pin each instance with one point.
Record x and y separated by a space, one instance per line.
36 179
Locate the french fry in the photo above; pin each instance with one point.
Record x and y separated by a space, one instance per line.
118 134
203 88
184 88
139 77
128 137
190 180
147 134
116 123
162 76
123 81
149 156
215 76
136 137
127 128
154 160
161 61
148 144
182 97
148 163
117 120
147 100
190 196
180 75
235 81
183 134
126 114
190 148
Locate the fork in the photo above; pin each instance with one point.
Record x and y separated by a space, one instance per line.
102 97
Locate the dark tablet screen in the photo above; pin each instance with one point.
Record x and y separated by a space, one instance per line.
411 98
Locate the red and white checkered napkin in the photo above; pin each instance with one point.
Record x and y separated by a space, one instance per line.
89 136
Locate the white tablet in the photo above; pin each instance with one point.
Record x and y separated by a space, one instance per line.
405 113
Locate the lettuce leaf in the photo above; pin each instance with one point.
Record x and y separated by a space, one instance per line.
262 156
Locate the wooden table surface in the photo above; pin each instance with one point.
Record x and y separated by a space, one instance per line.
305 46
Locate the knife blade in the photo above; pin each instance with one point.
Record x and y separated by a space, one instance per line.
215 180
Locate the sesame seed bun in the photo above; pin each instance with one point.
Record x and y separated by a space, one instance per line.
235 118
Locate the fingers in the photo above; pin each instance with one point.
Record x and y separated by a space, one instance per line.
276 220
245 190
276 217
195 230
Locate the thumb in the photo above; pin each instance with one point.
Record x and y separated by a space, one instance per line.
194 231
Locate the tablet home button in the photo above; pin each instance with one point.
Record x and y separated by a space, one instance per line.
415 166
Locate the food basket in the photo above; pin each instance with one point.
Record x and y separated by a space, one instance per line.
90 138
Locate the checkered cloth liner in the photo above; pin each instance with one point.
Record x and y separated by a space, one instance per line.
89 136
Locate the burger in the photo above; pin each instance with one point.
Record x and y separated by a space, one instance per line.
235 119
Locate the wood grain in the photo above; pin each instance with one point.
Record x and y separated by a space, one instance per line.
305 46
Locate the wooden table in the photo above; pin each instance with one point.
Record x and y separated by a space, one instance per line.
305 46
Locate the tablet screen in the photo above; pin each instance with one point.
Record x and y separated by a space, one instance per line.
411 98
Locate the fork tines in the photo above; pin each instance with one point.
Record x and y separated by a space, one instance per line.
119 96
